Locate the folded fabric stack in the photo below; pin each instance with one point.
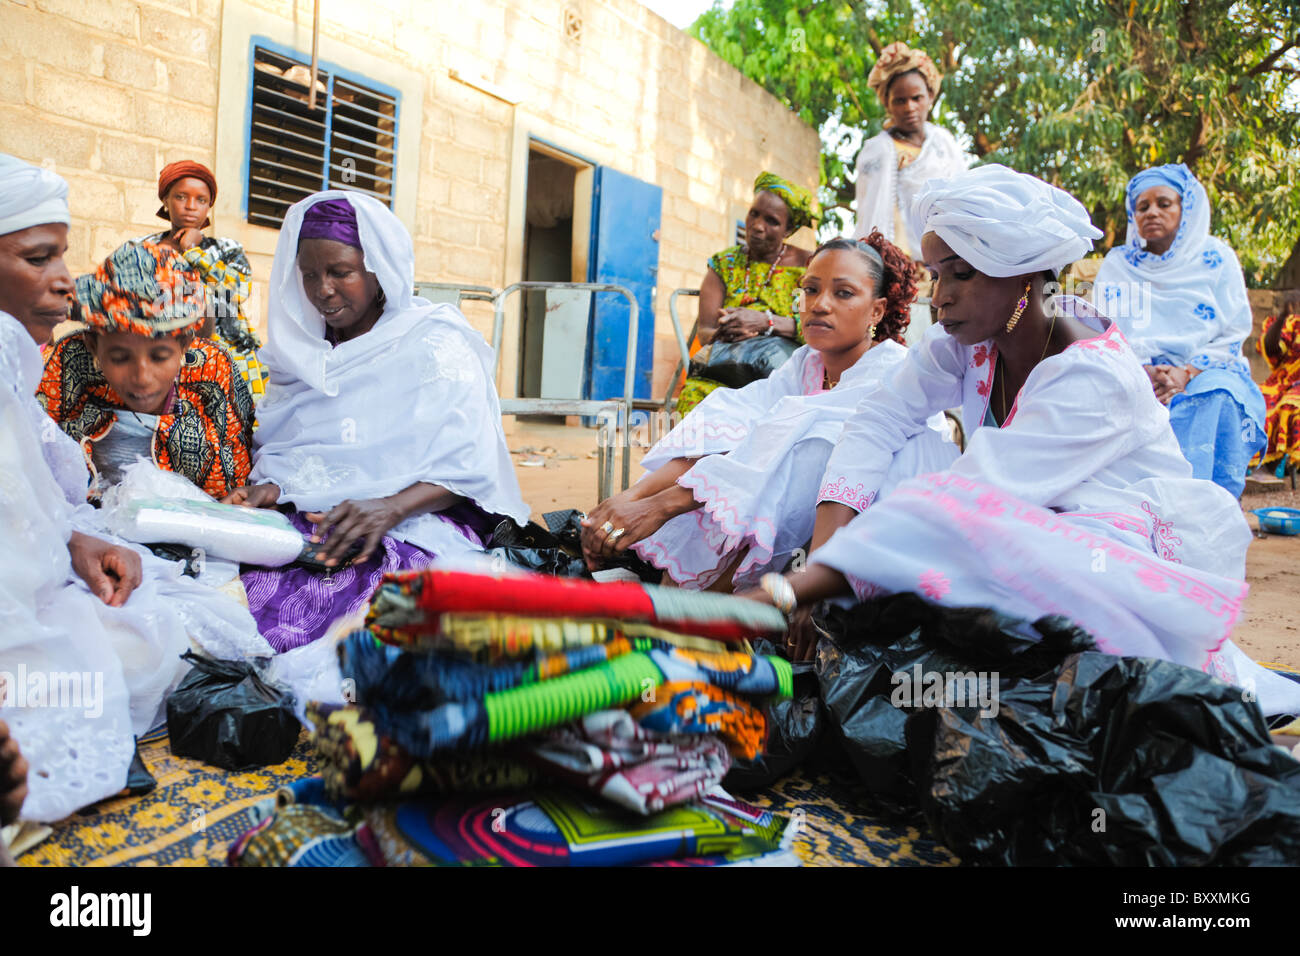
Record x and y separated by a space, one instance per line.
633 698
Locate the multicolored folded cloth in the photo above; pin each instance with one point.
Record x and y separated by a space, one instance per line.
429 704
415 602
300 827
382 674
360 763
559 828
694 707
609 754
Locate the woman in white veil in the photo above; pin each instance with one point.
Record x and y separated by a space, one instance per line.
381 425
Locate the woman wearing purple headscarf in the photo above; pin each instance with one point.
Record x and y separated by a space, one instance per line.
381 427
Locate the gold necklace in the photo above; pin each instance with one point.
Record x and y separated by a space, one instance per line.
1002 379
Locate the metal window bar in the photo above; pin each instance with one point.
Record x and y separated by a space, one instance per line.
622 408
283 132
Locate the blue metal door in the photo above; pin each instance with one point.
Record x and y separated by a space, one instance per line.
624 251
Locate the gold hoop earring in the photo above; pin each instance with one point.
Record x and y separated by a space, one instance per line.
1020 308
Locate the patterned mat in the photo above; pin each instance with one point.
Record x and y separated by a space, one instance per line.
197 811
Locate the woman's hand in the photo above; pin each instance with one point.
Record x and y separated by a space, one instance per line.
735 325
188 238
1168 380
801 637
367 521
264 495
638 518
111 571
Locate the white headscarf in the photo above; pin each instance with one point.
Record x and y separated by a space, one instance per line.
1005 223
1188 305
411 400
30 196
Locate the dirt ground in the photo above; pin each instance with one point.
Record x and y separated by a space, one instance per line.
562 474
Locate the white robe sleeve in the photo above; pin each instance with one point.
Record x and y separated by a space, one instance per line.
727 415
927 381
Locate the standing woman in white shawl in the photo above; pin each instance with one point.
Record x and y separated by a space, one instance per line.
896 163
381 426
1072 498
1179 295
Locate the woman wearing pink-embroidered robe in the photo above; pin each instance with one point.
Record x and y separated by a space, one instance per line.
732 490
1072 498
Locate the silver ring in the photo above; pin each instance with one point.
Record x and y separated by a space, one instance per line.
607 527
616 534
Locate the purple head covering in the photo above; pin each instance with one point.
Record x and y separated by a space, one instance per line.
332 219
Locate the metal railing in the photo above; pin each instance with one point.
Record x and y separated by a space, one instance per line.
598 408
683 343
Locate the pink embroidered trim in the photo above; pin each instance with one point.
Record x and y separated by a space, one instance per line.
934 585
760 531
654 551
854 497
1112 339
1155 573
814 374
1117 518
1163 538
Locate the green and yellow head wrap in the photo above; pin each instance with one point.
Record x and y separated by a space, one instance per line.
804 210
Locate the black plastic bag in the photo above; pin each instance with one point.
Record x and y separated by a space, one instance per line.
224 714
794 727
557 549
736 364
1085 758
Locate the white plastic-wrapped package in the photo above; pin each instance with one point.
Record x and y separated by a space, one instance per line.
248 535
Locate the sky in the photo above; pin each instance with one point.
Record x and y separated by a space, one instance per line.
680 13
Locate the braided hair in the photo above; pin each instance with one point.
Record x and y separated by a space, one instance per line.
895 279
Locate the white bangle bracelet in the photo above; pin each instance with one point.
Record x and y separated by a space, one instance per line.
780 591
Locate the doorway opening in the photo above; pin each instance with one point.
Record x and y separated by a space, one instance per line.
556 229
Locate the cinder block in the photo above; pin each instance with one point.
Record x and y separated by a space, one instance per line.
110 16
191 82
176 122
177 36
35 138
128 158
63 94
130 66
41 38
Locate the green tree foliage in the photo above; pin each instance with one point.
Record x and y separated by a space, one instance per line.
1083 94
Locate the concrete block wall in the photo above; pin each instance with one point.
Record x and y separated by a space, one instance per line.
111 91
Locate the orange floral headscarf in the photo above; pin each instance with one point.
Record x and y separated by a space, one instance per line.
899 58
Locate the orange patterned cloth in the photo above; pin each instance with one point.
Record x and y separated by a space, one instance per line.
206 437
1282 394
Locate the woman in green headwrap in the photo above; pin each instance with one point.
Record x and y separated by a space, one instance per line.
750 289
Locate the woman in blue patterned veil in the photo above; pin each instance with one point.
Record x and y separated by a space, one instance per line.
1179 296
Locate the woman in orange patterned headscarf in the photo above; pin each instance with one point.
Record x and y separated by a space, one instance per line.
137 382
1279 343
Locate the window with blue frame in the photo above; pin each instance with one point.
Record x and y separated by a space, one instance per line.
349 141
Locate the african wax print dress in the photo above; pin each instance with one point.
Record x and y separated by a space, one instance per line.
1282 394
749 285
207 436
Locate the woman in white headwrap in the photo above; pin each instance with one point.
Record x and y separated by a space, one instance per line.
1179 295
1073 498
381 425
90 629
